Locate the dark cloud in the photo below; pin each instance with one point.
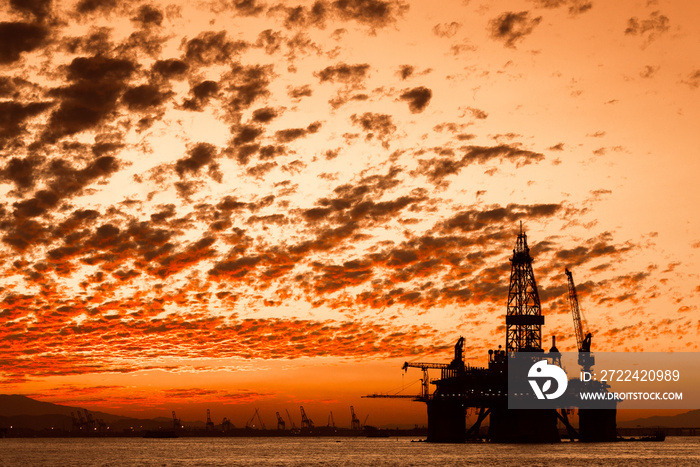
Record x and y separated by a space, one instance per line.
16 38
145 97
264 115
557 147
693 79
405 71
13 117
96 85
446 29
436 169
38 8
248 7
12 86
288 135
477 113
649 71
210 48
575 6
511 27
148 15
97 41
201 94
198 156
91 6
343 73
591 250
417 98
297 93
171 68
376 125
21 171
245 134
272 151
270 40
375 13
476 220
62 181
303 17
245 84
650 28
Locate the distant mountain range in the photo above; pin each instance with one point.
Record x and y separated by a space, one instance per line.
26 413
683 420
22 412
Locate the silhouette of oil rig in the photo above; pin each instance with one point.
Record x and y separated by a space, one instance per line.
485 389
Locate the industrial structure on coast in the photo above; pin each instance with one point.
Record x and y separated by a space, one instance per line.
485 389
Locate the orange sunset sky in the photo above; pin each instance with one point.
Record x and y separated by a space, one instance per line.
251 204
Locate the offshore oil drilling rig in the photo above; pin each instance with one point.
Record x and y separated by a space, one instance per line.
485 389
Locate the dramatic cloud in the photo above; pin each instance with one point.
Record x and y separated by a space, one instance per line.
343 73
512 27
225 187
16 38
417 98
575 6
650 28
437 168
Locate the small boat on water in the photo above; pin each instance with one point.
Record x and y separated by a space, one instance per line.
658 436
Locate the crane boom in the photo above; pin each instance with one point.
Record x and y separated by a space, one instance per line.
584 343
585 358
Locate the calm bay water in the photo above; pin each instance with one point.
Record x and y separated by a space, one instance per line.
677 451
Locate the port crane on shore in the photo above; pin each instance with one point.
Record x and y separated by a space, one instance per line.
210 423
280 421
305 421
226 425
252 419
290 419
354 421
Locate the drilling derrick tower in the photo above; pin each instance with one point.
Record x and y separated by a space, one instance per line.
484 390
524 318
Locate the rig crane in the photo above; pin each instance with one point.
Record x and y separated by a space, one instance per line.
176 422
354 421
305 421
210 424
280 421
585 359
331 421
